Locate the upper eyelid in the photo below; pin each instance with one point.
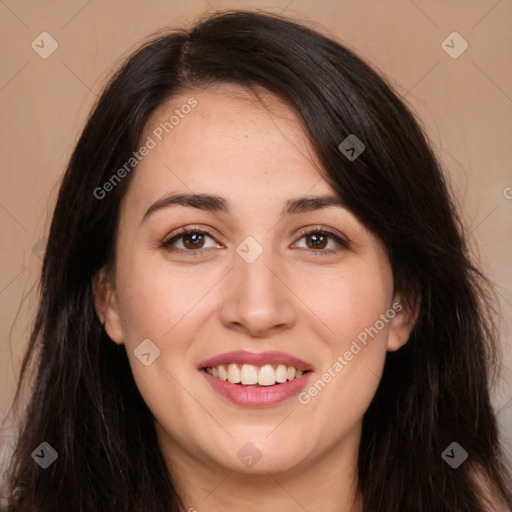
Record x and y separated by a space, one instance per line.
303 232
185 231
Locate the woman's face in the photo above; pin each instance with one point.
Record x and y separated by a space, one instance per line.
254 289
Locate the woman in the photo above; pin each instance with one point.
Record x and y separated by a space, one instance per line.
256 294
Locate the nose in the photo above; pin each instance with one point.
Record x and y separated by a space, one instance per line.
258 301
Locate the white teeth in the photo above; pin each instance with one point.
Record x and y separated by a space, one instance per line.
266 375
223 374
281 373
233 373
248 374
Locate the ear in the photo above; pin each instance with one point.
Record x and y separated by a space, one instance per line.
401 325
105 303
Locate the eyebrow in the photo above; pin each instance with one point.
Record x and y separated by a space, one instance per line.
217 204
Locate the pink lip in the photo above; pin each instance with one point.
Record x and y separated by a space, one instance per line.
257 396
244 357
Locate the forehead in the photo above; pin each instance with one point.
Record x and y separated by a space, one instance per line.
231 119
232 143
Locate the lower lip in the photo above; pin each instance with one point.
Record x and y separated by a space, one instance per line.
257 396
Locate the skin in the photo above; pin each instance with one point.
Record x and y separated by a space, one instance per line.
196 307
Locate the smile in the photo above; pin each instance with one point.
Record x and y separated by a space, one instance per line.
256 380
248 374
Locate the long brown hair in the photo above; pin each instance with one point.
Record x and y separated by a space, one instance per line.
434 390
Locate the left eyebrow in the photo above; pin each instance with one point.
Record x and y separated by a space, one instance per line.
212 203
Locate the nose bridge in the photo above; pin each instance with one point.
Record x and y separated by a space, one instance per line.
253 270
256 298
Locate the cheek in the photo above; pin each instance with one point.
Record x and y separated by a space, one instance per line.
351 302
155 299
162 304
354 352
169 306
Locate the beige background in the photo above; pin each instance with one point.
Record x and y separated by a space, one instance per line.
464 103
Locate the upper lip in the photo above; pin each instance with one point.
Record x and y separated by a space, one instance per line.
256 359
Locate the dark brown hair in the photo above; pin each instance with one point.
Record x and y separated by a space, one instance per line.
434 390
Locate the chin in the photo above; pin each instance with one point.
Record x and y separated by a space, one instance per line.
273 464
263 453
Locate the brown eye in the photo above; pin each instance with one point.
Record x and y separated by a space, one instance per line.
191 240
317 240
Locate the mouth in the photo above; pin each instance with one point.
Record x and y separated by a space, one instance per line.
256 380
251 375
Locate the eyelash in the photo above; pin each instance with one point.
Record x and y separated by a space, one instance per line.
198 252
